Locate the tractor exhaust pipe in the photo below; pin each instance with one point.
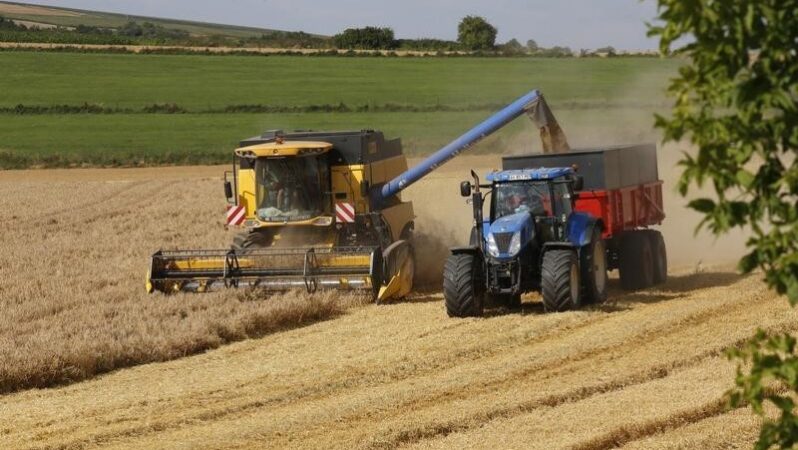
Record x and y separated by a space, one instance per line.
476 201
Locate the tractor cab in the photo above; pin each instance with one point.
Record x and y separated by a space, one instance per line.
539 192
527 206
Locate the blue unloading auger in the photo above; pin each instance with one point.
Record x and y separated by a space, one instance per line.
532 103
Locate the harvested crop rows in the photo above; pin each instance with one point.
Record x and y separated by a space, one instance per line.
643 370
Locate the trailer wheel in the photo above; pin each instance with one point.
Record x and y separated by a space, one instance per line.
594 270
462 291
559 280
636 265
660 256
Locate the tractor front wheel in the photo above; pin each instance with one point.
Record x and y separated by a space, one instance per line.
559 280
462 291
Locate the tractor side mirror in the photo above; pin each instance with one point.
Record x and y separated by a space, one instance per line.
465 188
579 182
228 190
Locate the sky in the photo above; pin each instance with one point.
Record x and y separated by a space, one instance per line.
574 23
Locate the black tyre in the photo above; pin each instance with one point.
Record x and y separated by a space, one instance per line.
636 264
594 270
462 291
253 239
559 280
660 256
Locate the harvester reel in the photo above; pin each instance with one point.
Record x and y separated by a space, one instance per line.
311 266
231 267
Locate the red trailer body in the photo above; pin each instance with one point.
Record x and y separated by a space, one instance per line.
624 209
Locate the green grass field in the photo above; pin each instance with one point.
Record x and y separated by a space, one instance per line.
610 99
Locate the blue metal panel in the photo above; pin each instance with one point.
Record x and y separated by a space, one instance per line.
579 228
511 223
543 173
471 137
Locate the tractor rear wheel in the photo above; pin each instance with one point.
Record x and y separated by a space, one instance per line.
636 265
559 280
594 270
462 291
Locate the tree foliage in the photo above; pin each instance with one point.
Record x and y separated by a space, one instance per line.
475 33
368 38
736 100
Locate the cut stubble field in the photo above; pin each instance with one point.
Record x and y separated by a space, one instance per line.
643 370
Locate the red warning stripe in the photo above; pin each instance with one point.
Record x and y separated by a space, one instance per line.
345 212
236 215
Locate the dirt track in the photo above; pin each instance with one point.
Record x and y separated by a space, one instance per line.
643 370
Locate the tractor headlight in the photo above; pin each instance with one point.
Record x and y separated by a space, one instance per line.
493 249
515 244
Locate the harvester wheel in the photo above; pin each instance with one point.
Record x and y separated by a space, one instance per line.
660 256
559 280
594 270
252 239
636 265
462 292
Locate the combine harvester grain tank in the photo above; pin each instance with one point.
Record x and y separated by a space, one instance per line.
323 210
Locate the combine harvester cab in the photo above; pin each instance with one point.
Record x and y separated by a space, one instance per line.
323 210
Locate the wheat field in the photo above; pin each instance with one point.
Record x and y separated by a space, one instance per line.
88 359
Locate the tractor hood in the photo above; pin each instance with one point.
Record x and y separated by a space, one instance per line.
506 236
512 223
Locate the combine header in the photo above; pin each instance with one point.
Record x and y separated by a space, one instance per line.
323 210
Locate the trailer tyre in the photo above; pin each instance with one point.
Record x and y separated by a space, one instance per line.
636 265
560 280
594 270
660 256
462 292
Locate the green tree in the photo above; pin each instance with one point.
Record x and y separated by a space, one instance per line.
368 38
736 100
532 45
512 48
475 33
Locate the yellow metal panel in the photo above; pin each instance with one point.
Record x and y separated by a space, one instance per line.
246 191
387 169
286 148
347 180
397 217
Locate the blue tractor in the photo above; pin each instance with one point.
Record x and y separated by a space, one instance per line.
533 240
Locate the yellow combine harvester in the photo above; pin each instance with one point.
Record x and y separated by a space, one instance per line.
323 210
304 198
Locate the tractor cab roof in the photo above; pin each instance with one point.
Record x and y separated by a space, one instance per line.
541 173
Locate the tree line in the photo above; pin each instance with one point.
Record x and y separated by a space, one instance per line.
474 36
